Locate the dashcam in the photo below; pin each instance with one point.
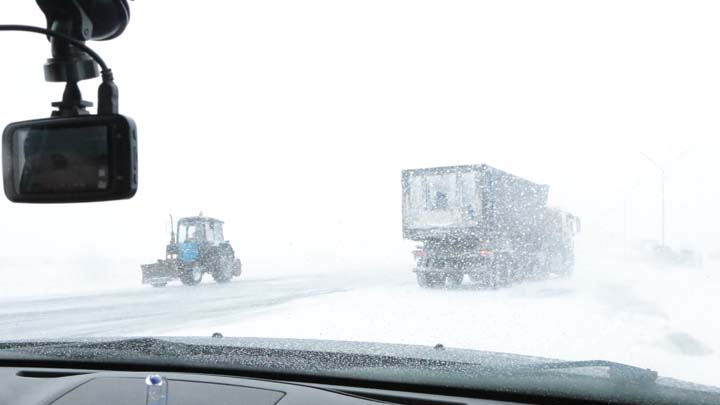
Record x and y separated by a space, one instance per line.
70 159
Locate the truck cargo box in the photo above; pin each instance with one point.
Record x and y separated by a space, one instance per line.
476 201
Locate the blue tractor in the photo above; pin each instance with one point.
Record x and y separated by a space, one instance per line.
199 248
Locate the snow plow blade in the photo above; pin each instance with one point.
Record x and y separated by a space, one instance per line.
160 272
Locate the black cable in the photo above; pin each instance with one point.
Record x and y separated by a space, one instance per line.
107 73
107 91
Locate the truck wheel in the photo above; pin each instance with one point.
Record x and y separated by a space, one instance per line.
191 275
455 280
422 279
543 266
497 280
524 267
431 280
568 265
438 279
501 272
500 281
223 271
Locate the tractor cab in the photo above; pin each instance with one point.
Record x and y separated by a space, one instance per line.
200 229
195 234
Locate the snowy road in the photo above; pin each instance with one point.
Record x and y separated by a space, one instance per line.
146 310
656 318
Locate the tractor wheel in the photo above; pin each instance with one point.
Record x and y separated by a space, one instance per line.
223 270
191 275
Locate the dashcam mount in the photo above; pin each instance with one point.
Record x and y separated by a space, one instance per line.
82 20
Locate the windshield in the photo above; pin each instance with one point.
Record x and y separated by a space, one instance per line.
526 177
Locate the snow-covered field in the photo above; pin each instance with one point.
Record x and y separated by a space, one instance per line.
659 318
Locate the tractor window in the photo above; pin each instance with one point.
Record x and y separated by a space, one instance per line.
190 233
219 232
183 233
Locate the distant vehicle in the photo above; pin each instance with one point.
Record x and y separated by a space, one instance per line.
664 255
689 257
200 248
482 222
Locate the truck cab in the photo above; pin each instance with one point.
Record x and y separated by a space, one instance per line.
560 228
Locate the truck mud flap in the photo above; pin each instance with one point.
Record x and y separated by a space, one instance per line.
160 272
237 267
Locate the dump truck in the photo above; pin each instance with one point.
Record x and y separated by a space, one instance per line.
200 248
481 222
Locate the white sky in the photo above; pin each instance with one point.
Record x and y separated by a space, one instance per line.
292 120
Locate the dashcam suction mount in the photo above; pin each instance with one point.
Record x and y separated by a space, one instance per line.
82 20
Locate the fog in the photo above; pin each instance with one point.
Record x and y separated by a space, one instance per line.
291 122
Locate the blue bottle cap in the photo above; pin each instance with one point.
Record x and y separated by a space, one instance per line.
153 379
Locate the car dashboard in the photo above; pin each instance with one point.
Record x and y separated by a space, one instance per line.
50 386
